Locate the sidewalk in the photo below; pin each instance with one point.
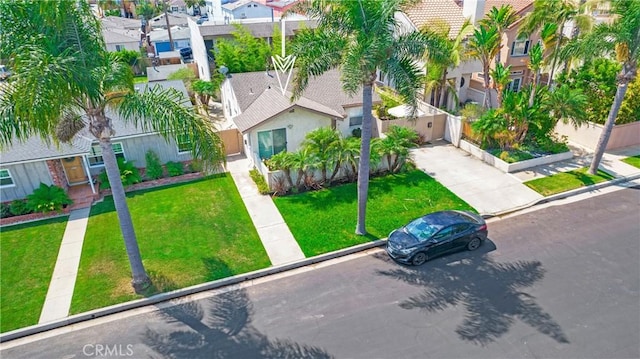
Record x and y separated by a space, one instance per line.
60 292
276 237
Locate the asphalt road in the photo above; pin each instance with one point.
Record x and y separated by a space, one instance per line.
561 282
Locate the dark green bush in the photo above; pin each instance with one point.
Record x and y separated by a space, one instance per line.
129 174
154 168
47 199
258 178
5 210
356 132
19 207
174 168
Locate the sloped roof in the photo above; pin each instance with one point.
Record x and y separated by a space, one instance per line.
270 103
119 36
259 96
236 4
35 148
177 33
120 23
450 11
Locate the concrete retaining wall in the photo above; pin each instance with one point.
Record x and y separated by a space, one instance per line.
511 167
589 134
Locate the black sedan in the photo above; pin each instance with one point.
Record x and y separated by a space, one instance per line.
436 234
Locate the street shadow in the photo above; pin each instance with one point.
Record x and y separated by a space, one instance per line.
220 328
492 293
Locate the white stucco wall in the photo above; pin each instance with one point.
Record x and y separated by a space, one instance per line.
343 125
230 106
132 45
199 51
297 124
251 10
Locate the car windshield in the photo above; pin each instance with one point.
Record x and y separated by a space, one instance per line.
421 229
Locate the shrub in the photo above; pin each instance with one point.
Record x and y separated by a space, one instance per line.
472 111
19 207
5 211
259 180
195 166
47 199
154 168
174 168
357 132
129 174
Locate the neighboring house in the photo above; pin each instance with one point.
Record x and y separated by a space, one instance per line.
280 6
178 6
24 165
245 9
175 19
271 123
181 37
121 39
117 22
467 77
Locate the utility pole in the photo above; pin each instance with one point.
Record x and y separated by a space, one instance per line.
166 17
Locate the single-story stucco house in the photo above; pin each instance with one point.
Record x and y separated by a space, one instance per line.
24 165
270 122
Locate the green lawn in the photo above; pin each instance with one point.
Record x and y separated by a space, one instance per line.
188 234
634 161
566 181
324 221
140 79
29 253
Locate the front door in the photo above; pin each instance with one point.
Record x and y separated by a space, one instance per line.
74 170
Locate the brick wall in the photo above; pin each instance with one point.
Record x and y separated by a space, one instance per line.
57 174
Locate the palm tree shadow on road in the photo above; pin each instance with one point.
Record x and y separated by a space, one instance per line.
492 293
220 328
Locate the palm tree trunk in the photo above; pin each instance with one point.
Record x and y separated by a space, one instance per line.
365 155
487 89
608 126
555 57
443 90
140 279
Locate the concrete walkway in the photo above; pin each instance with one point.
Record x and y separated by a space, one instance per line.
276 237
486 188
58 300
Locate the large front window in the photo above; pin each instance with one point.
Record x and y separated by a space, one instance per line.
95 155
272 142
184 143
5 179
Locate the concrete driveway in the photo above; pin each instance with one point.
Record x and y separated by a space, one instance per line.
487 189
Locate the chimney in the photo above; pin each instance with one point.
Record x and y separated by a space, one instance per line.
473 9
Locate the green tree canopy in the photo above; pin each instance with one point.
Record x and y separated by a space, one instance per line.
243 53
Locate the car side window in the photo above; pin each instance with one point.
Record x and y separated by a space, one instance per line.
459 228
443 234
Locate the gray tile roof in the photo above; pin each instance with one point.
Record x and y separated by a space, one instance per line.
271 102
35 148
120 23
120 36
259 97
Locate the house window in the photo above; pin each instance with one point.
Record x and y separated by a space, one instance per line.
95 155
514 85
120 47
184 143
5 179
355 121
272 142
174 9
520 48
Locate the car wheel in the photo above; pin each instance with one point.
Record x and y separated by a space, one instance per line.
474 244
419 258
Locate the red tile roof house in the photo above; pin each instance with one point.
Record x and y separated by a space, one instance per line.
24 165
468 80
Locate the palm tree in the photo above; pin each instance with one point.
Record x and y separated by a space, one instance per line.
483 46
554 12
346 152
66 81
396 146
535 64
448 53
359 37
500 18
282 161
321 142
622 40
501 76
195 4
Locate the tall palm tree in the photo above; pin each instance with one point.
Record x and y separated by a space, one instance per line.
536 61
500 18
483 45
622 40
359 37
501 76
554 12
65 81
448 54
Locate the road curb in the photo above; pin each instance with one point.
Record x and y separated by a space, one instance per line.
163 297
563 195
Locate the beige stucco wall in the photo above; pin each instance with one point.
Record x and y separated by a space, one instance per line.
588 135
